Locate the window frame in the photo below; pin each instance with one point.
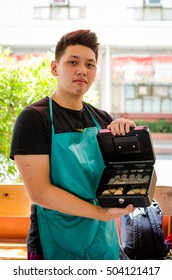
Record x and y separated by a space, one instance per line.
148 4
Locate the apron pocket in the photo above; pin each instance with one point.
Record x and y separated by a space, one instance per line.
71 233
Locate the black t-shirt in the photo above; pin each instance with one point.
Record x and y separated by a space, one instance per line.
32 135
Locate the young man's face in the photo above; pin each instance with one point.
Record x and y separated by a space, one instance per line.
76 70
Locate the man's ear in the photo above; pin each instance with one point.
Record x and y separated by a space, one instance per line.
54 68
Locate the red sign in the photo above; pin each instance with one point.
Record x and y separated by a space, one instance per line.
132 69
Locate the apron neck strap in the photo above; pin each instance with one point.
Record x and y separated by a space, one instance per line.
94 120
51 112
86 107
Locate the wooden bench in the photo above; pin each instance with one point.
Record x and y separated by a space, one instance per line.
163 195
15 211
14 221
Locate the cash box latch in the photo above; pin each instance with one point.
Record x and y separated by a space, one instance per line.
127 145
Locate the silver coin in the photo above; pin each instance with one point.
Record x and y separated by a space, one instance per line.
132 176
112 180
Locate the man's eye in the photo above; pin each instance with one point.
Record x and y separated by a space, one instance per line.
72 62
90 65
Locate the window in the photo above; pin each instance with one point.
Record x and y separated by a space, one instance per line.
59 2
153 3
144 81
59 9
148 98
149 10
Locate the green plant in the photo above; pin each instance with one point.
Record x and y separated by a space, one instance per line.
21 83
159 126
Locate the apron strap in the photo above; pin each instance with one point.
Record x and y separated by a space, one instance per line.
86 107
51 113
94 120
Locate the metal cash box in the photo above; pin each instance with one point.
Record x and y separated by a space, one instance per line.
129 176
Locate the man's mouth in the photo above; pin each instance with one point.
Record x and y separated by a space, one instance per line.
80 81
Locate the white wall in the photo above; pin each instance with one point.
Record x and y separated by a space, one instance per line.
107 18
20 32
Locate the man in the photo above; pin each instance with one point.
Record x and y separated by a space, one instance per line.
56 152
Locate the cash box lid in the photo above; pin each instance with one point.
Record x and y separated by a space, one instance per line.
132 148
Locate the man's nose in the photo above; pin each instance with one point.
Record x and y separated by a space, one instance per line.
82 70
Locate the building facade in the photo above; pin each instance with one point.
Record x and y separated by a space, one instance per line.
135 62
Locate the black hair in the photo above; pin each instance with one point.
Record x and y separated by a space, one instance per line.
82 37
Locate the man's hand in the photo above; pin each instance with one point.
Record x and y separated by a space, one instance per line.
108 214
121 126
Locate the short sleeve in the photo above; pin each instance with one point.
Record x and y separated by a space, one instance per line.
30 134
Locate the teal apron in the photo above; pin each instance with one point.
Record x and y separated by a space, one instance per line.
76 166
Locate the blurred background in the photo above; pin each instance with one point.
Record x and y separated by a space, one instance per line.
134 78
